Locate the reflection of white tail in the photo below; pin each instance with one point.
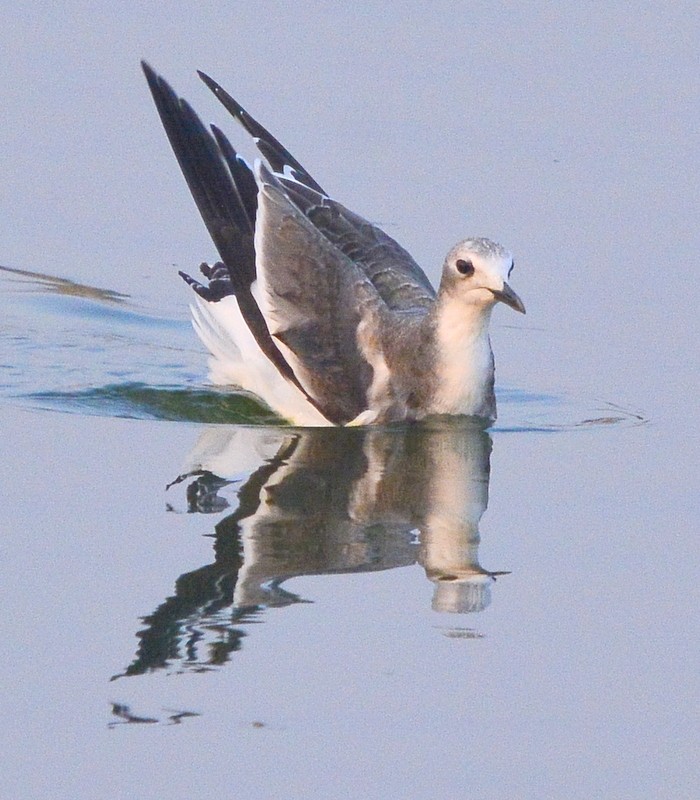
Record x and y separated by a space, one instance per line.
237 360
230 452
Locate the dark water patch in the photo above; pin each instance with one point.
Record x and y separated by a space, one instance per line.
28 281
61 341
169 403
122 714
42 307
43 298
519 411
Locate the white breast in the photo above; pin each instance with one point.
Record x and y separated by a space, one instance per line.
464 367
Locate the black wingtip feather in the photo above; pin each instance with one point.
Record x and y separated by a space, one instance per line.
273 150
217 289
242 175
206 169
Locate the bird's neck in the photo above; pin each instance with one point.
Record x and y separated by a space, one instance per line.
464 372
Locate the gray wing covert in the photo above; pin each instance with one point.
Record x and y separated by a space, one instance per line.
398 279
314 299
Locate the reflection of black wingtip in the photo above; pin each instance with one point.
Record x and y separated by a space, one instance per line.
179 479
125 716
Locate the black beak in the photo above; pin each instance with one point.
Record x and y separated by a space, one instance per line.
510 298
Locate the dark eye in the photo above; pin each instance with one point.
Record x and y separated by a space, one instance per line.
464 267
512 267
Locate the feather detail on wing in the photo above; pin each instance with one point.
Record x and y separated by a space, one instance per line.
294 309
277 156
224 190
314 299
401 283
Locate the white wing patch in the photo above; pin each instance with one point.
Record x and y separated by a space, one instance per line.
236 360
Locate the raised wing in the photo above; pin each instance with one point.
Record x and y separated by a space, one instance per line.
278 157
321 273
401 283
225 199
226 195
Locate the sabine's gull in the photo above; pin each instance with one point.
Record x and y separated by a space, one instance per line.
314 309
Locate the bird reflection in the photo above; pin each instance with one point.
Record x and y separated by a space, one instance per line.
320 501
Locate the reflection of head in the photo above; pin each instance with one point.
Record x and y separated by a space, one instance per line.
334 500
457 487
464 596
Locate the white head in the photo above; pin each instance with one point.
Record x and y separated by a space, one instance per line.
477 271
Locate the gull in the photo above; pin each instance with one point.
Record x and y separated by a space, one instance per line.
317 311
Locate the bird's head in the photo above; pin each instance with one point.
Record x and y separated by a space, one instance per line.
477 271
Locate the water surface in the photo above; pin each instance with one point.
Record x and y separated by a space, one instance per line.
201 601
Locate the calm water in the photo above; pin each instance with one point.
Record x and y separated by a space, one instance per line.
199 601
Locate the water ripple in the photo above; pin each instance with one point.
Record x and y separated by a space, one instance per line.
80 349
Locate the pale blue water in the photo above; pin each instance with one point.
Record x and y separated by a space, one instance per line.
199 601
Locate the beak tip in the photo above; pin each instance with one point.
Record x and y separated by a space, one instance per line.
510 298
